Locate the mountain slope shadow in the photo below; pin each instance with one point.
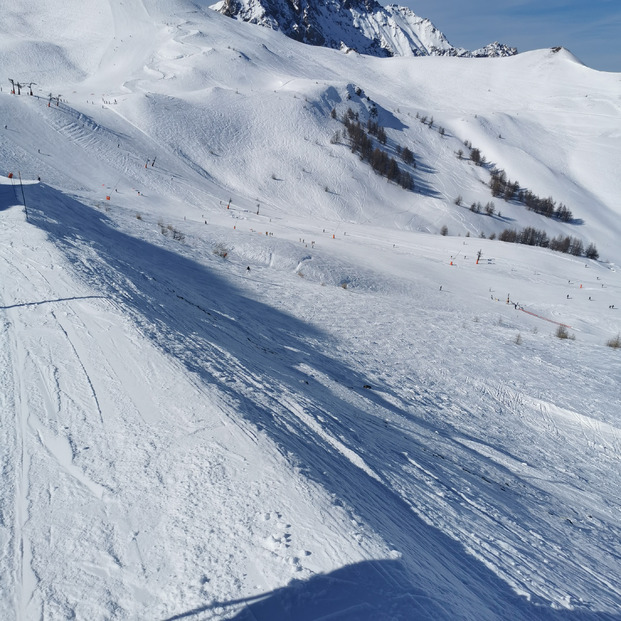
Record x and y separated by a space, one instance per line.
368 591
8 196
253 353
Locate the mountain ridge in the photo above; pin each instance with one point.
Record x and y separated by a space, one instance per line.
364 26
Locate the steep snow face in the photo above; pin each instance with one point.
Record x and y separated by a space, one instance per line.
360 25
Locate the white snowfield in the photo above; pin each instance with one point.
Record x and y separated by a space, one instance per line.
243 377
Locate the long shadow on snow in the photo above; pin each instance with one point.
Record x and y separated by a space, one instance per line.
366 591
8 196
230 340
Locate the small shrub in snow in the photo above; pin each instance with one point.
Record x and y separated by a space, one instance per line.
444 230
563 333
518 339
615 342
221 251
169 229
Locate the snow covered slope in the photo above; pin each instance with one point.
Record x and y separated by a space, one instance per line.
242 376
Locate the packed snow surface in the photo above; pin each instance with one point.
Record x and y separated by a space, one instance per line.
243 377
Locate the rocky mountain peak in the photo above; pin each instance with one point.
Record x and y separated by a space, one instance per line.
364 26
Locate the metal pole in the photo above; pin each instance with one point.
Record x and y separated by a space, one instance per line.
21 185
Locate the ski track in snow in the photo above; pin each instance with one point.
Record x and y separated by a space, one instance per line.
207 359
330 434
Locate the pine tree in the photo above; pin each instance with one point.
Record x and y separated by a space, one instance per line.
591 252
407 156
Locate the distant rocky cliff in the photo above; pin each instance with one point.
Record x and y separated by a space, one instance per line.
360 25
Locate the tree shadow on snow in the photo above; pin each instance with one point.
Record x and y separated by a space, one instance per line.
228 339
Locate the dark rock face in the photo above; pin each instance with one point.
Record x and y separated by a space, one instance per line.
363 26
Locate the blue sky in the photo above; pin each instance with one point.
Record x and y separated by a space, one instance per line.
589 29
